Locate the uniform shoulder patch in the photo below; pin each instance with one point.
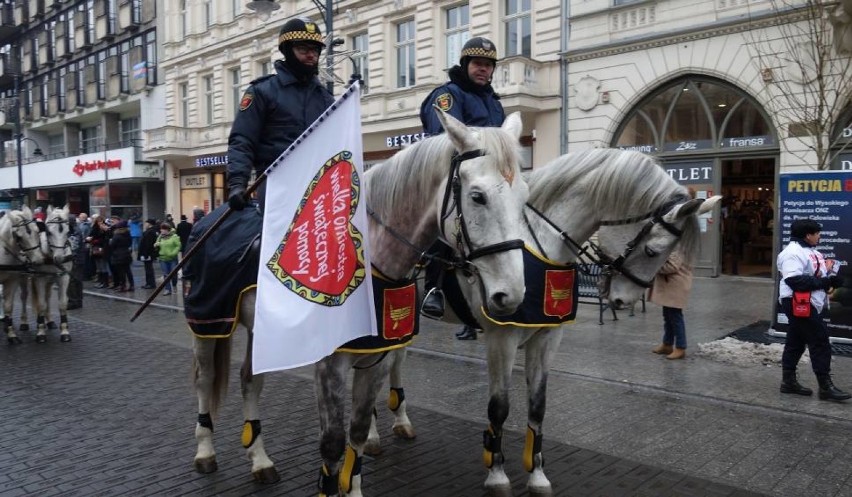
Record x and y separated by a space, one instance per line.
444 101
248 98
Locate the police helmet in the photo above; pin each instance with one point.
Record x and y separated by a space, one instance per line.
478 47
296 30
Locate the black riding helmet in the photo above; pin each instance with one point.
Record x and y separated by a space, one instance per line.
477 47
296 30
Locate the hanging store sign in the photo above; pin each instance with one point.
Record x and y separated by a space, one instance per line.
825 197
688 146
216 160
80 167
691 173
400 140
193 181
747 141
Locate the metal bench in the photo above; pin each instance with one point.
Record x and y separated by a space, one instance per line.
589 277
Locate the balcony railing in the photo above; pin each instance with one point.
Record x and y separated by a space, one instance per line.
9 156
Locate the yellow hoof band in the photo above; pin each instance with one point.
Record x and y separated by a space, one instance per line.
492 447
395 398
351 467
532 446
488 458
251 430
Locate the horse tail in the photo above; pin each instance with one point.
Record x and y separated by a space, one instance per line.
221 370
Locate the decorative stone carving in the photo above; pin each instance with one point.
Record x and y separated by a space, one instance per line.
586 93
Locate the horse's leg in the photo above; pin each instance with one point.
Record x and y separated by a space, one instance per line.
9 287
538 352
502 347
262 468
366 385
205 380
63 281
40 295
48 289
330 386
396 400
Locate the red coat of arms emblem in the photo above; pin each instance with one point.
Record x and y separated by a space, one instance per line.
558 288
398 312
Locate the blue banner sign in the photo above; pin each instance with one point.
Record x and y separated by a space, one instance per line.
826 197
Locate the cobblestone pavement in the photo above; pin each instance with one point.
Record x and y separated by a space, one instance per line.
113 412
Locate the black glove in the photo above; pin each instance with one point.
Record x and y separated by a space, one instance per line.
41 226
237 200
836 281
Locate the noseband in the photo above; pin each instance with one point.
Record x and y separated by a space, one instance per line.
463 245
610 265
19 240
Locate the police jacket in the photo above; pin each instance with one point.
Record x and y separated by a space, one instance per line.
472 104
802 268
273 112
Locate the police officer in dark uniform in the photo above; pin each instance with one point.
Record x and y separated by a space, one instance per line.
277 108
468 97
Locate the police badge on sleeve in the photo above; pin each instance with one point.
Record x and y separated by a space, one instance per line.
444 101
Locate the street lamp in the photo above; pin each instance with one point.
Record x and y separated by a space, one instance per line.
265 8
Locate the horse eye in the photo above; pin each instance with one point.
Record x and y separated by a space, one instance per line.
651 252
479 198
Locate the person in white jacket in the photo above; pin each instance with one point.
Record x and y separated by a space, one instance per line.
802 268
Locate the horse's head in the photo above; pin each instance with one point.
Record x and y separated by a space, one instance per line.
23 239
481 209
638 250
58 230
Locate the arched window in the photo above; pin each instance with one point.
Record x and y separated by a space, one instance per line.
695 113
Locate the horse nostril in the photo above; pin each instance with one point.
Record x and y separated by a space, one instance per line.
500 299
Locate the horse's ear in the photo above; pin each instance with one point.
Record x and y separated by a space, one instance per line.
513 125
26 210
708 204
457 132
66 210
681 211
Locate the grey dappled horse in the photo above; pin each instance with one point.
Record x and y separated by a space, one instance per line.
56 270
21 247
639 212
405 195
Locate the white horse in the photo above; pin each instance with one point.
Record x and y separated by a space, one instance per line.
56 270
640 214
21 247
420 192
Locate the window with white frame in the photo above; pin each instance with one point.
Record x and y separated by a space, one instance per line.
183 21
265 67
405 54
130 133
457 33
236 89
518 22
360 60
208 13
236 7
89 139
55 145
183 95
207 87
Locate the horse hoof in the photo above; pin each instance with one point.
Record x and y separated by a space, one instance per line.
24 327
41 339
540 492
206 466
64 338
266 475
372 448
406 432
51 325
500 491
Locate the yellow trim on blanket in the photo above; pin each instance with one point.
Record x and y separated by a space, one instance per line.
236 316
374 351
541 257
522 325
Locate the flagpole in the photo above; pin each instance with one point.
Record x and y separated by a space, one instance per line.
254 186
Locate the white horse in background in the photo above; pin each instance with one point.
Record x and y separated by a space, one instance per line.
416 195
640 213
21 247
55 271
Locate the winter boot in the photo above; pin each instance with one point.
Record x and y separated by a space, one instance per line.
789 384
663 349
827 390
677 353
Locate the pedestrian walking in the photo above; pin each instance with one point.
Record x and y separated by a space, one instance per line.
671 290
806 276
121 256
168 248
183 229
148 253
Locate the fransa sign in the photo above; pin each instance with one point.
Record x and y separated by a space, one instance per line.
81 168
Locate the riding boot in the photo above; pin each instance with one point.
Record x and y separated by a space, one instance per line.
466 333
789 384
433 304
827 390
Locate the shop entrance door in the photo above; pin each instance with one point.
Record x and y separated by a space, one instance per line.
748 209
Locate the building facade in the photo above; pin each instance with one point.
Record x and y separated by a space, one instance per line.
80 71
693 83
211 51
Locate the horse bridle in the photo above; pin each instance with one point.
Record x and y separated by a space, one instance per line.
19 241
463 260
610 265
65 246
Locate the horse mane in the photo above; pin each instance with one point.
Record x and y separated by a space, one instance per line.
408 176
619 183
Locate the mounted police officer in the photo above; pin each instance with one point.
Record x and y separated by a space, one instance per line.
277 108
469 97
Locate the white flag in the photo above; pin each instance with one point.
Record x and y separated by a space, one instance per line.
314 292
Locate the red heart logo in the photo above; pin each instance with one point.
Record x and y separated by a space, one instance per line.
321 257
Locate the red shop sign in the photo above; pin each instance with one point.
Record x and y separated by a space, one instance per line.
96 165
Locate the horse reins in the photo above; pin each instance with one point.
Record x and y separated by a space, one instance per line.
22 250
608 264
